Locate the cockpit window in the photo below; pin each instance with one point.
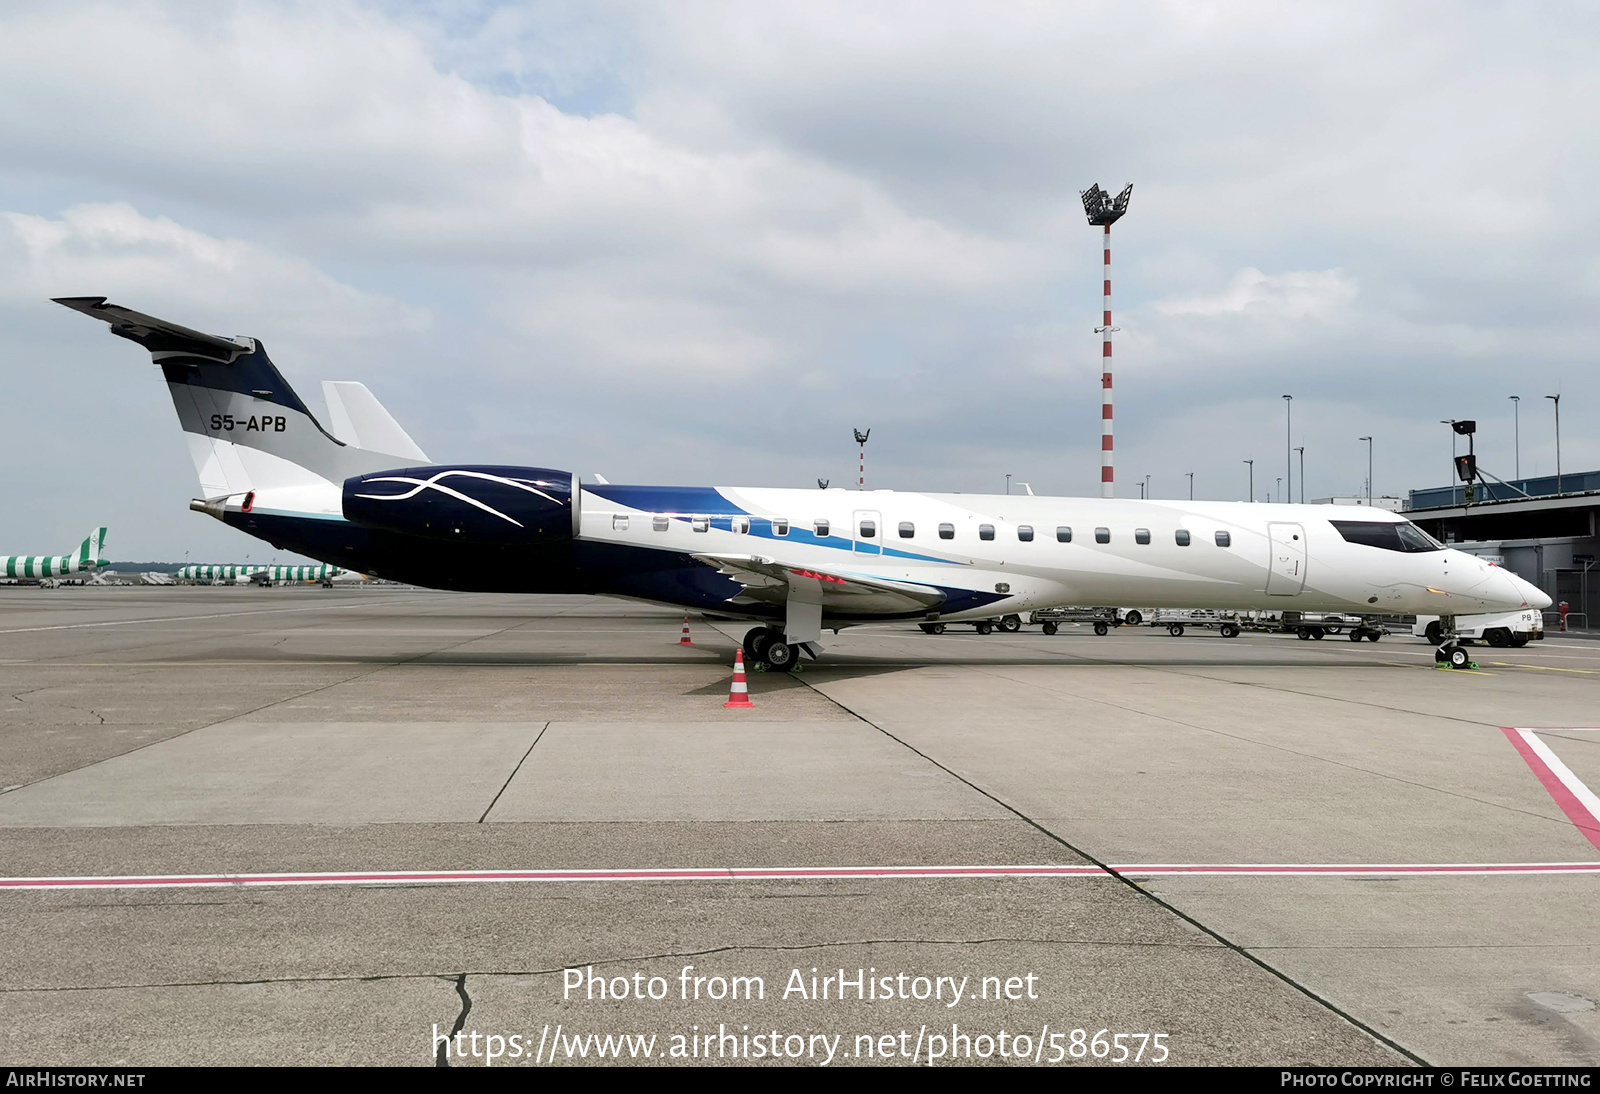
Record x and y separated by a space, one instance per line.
1401 536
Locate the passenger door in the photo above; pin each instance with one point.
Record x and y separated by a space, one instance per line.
1286 575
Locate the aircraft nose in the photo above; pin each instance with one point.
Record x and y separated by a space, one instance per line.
1520 593
1535 596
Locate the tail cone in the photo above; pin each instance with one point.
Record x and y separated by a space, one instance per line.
739 695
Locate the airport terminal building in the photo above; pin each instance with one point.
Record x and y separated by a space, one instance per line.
1542 529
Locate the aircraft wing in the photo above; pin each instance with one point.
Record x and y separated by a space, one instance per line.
768 581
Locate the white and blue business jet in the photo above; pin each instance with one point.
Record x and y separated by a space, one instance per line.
364 497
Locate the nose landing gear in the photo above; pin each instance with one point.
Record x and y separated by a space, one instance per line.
1449 653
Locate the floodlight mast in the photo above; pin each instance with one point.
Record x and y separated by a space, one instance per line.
861 439
1103 211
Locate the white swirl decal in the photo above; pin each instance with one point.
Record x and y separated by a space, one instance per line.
419 485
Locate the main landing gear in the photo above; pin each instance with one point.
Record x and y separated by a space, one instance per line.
1449 651
765 646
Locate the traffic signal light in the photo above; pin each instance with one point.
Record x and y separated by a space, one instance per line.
1466 427
1466 468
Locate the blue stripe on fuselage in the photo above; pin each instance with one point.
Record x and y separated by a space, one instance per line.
682 502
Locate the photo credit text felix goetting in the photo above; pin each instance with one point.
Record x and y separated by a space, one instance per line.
737 1017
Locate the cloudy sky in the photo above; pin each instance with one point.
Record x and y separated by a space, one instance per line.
700 242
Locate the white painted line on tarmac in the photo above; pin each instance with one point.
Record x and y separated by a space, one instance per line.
1576 800
793 873
175 618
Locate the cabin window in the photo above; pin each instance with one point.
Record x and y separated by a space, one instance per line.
1224 539
1102 535
619 522
985 531
1141 535
1063 534
660 522
868 529
947 531
700 524
907 529
780 526
1181 537
740 525
820 526
1025 533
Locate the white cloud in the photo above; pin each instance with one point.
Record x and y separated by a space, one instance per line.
809 216
622 334
1252 295
153 263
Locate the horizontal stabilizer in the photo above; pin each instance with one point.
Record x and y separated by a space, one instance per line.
357 418
155 335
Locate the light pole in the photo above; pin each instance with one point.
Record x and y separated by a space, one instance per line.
1141 490
1302 450
1516 431
1252 464
1008 486
1191 486
1280 487
1147 486
1103 211
1451 422
1369 470
1557 399
1288 439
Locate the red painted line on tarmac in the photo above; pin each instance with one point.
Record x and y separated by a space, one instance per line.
1562 784
1351 870
791 873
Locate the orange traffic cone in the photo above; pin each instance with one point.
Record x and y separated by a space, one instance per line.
739 695
684 641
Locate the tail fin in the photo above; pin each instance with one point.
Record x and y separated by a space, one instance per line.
91 551
358 419
246 427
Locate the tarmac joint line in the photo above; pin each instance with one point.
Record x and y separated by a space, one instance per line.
537 738
1136 887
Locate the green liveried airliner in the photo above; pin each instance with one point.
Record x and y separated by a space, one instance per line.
86 560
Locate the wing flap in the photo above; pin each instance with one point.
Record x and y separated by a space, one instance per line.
767 580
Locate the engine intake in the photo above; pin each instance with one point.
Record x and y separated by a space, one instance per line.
469 503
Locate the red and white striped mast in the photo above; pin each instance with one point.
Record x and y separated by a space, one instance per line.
861 439
1103 210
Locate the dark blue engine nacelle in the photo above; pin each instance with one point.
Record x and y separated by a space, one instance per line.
467 503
